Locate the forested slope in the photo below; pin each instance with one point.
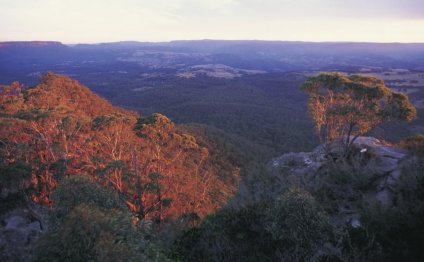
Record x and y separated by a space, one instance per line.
59 128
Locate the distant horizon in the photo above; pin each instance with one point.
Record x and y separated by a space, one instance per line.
206 39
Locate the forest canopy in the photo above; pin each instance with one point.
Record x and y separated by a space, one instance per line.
59 129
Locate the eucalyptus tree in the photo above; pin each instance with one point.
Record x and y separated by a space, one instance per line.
347 106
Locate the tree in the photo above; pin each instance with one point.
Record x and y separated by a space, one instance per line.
346 106
11 98
172 169
59 128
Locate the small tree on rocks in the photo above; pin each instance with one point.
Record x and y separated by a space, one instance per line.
347 106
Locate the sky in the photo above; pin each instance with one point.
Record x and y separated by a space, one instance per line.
94 21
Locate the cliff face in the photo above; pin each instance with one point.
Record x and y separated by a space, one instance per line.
30 55
30 44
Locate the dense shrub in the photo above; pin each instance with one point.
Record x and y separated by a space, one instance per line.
77 190
88 234
292 228
14 177
298 226
91 224
14 185
228 235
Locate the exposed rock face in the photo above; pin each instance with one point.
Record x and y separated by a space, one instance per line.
383 161
301 163
379 163
19 230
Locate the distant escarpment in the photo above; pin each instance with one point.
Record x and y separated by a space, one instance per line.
59 129
42 50
28 44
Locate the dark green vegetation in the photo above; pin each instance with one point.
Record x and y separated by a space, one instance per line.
284 217
260 116
244 120
91 223
291 227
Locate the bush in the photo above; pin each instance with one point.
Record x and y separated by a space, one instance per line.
298 226
292 228
89 234
228 235
14 177
77 190
92 224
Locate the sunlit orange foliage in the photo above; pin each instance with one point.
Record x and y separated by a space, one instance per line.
60 128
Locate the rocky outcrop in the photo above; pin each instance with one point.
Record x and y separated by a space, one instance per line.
385 162
20 228
378 163
381 159
301 163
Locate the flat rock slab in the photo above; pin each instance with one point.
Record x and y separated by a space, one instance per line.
379 148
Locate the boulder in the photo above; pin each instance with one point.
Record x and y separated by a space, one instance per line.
300 163
20 229
384 161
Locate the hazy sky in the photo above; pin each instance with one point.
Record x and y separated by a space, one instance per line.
73 21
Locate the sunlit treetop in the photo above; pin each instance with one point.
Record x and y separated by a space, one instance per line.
344 105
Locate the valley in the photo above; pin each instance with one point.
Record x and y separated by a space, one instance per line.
208 151
244 92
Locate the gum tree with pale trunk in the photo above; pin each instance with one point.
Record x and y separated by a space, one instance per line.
344 107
